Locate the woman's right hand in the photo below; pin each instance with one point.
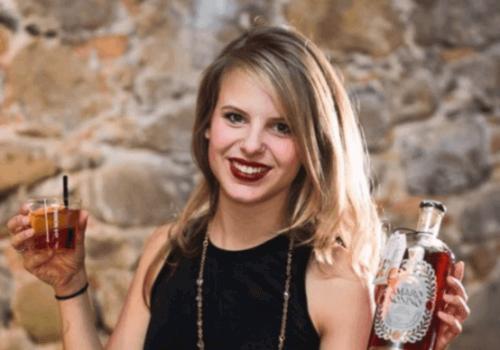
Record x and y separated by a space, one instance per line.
64 271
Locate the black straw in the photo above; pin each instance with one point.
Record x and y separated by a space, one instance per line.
65 191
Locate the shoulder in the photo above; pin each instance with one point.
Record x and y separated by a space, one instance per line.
159 238
340 303
150 258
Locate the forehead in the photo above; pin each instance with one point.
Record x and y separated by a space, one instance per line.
249 87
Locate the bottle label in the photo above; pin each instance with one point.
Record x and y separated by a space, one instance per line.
408 303
391 258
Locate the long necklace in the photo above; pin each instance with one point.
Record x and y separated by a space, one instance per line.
199 294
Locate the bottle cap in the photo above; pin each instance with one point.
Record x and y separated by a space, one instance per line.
435 204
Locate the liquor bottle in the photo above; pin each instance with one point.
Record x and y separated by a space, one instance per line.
407 304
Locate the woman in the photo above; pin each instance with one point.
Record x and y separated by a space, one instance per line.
276 246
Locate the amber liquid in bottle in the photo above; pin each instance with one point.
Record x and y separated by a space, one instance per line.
427 300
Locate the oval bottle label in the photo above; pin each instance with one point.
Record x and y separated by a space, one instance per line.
408 304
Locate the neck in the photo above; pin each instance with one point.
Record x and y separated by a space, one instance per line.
238 226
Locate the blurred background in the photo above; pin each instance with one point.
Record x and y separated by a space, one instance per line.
104 91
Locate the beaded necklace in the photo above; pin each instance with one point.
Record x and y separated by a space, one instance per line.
199 295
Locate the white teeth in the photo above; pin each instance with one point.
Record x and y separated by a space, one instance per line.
248 170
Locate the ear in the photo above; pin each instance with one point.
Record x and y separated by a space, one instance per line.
207 134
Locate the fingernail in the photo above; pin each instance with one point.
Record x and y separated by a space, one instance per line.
25 220
30 233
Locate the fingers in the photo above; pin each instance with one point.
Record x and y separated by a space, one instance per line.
24 209
458 270
454 286
454 325
18 223
456 307
81 226
18 241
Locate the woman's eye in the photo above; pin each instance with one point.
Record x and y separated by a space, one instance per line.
234 118
282 128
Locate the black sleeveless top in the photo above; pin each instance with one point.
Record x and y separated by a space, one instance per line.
242 301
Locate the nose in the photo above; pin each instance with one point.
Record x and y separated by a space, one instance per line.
253 142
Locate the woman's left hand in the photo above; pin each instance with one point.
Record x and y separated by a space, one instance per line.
455 310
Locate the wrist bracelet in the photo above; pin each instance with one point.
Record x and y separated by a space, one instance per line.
81 291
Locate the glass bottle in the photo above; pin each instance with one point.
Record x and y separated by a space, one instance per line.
407 305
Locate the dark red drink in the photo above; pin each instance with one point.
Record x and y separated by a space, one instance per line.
54 228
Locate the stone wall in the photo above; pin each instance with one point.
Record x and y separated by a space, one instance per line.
104 90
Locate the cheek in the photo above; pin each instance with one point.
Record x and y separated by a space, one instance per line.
221 136
287 153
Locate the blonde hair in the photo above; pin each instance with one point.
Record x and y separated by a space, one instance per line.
330 196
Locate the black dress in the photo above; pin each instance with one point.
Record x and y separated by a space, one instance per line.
242 301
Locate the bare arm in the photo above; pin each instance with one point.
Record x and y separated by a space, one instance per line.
341 307
130 331
66 274
78 326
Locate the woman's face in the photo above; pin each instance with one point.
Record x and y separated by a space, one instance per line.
252 152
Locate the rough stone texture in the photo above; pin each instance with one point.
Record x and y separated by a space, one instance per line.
457 22
15 339
4 41
415 98
73 16
104 90
113 195
82 156
23 166
170 130
105 251
111 289
6 283
485 257
481 217
36 310
373 115
352 25
49 81
481 329
446 158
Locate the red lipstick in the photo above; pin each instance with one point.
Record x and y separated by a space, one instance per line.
236 165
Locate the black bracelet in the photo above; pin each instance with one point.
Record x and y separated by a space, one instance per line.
81 291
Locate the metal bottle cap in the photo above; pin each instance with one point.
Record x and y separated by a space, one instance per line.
434 204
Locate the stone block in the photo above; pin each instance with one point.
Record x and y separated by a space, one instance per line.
15 339
481 217
373 28
6 286
20 165
40 130
111 251
111 287
4 41
445 158
74 15
457 23
374 115
414 98
484 258
137 194
110 46
170 130
55 85
35 309
480 330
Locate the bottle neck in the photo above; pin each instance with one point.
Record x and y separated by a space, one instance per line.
429 221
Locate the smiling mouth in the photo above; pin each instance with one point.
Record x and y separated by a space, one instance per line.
247 171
